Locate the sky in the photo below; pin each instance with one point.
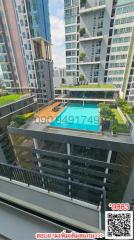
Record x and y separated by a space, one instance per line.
56 9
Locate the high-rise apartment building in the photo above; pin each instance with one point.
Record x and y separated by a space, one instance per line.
72 37
25 46
99 42
59 76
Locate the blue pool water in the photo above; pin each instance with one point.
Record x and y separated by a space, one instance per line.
77 116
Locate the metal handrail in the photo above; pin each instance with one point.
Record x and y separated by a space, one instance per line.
45 181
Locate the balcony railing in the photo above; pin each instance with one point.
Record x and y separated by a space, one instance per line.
72 189
87 5
87 37
90 61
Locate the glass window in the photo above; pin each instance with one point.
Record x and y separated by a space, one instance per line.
118 57
70 20
21 22
124 20
5 67
119 49
71 60
23 34
122 30
121 40
116 72
2 49
71 37
34 4
25 46
19 9
71 67
71 45
125 9
1 38
71 53
115 65
70 29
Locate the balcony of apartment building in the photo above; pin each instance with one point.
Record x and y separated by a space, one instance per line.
27 194
52 192
85 60
57 199
42 49
59 160
87 6
86 36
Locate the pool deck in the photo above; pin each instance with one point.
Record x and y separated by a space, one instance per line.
44 127
39 126
47 113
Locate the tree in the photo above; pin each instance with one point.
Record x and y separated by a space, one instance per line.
127 109
82 31
121 102
105 112
81 78
82 56
114 129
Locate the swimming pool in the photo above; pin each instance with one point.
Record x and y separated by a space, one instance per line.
77 116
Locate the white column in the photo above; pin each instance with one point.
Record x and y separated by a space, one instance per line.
69 163
108 161
106 171
38 157
37 154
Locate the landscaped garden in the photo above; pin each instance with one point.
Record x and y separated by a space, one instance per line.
132 117
9 98
111 113
21 119
102 86
121 126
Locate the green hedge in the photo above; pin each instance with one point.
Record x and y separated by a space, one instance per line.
21 119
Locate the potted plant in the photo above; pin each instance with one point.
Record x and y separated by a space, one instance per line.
82 56
114 130
81 78
82 31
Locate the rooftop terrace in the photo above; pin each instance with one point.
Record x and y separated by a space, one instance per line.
9 99
92 86
41 123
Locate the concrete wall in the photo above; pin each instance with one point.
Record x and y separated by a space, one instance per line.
16 44
52 205
15 106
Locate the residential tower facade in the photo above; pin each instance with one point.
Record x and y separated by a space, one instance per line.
26 58
99 42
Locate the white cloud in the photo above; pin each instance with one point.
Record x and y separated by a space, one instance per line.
59 57
57 31
58 39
